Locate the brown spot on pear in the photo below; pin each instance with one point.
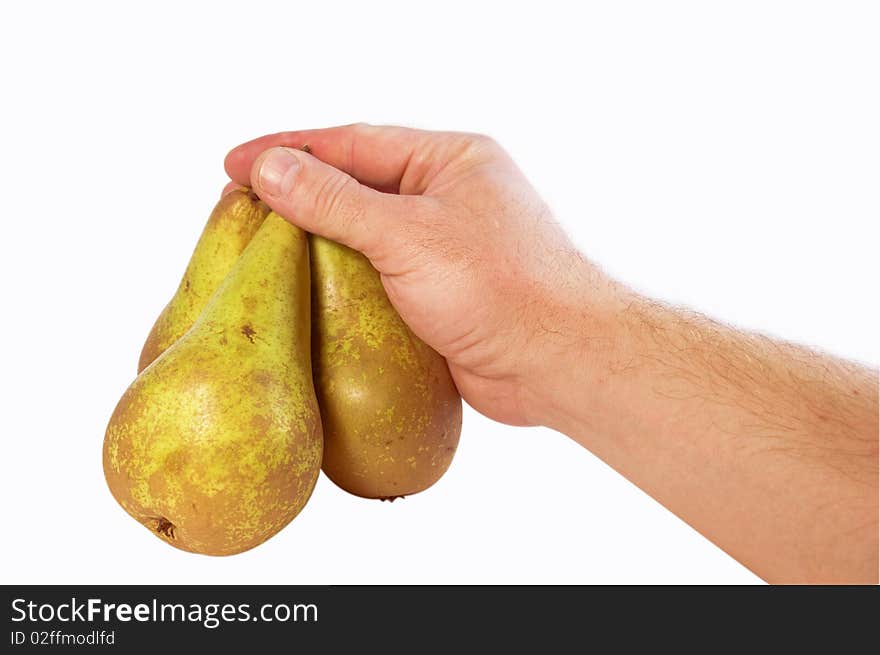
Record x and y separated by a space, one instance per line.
229 229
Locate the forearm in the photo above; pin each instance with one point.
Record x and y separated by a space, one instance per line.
767 449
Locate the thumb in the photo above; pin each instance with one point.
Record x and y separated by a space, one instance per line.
326 201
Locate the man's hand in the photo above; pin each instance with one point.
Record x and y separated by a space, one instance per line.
469 254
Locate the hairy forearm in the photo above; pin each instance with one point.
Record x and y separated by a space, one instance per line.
768 449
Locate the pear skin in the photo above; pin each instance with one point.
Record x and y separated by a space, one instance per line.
216 446
232 224
390 411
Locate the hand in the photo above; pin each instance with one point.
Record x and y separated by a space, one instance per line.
469 254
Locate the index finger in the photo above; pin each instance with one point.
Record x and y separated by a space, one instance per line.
378 156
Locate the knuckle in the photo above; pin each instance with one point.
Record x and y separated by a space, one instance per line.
483 141
339 199
478 147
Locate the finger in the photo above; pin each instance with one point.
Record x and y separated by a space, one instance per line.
377 156
231 186
327 201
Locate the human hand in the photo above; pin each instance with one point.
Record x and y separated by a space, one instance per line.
468 253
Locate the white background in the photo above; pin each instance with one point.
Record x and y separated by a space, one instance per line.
721 155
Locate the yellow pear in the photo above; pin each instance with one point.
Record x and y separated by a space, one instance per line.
390 411
232 224
217 445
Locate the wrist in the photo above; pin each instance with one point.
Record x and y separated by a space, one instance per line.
581 335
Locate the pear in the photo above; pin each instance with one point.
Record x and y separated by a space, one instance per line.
390 411
216 446
232 224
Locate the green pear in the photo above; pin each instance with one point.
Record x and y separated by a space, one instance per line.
216 446
232 224
390 411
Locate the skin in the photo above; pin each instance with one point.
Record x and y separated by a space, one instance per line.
217 445
768 449
390 411
232 224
